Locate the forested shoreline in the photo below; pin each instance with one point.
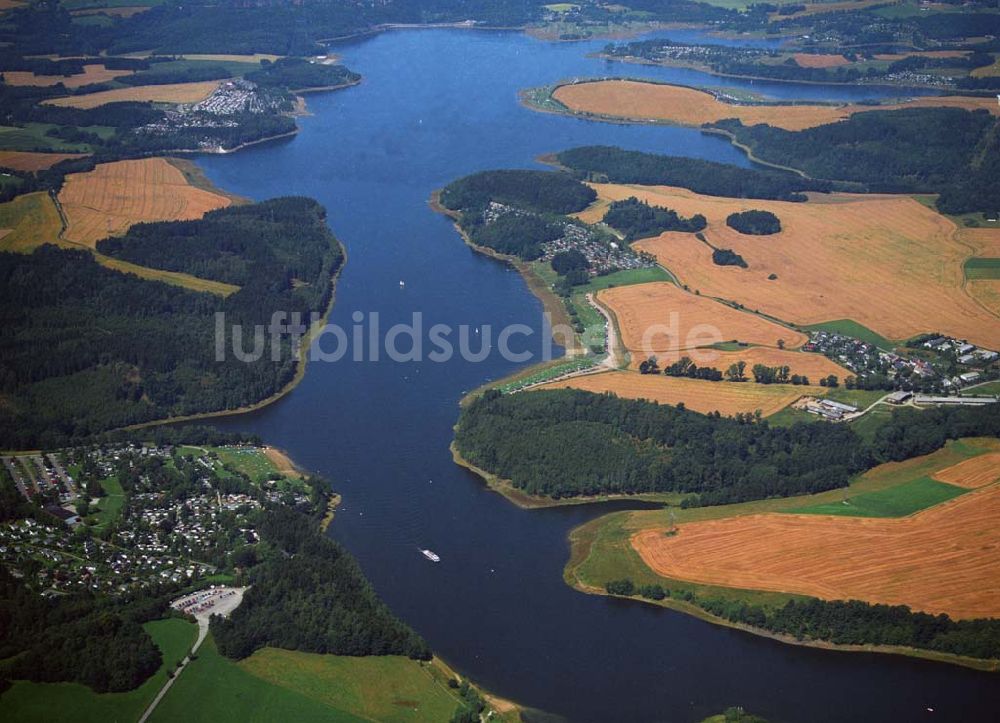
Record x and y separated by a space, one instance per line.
840 622
130 350
569 443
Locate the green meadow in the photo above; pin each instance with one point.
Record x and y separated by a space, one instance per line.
46 702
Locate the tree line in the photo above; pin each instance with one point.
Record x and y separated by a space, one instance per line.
842 622
949 151
566 443
616 165
637 219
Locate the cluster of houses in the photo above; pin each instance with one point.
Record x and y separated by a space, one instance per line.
160 536
188 527
693 54
235 96
934 374
604 255
55 560
219 110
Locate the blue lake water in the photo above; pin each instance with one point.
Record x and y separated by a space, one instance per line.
435 105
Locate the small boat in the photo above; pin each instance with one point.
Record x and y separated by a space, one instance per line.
401 284
433 557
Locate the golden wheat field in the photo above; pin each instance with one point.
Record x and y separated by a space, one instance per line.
172 93
987 293
814 366
887 262
689 106
981 241
31 161
945 559
92 73
108 200
972 473
810 60
727 398
662 319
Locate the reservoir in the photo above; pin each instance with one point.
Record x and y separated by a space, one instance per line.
435 105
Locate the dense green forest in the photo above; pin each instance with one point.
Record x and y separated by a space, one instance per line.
637 219
77 638
914 150
531 214
728 257
309 594
540 191
850 622
87 348
567 442
292 28
754 223
564 443
296 74
616 165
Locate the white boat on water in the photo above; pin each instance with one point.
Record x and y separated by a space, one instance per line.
432 556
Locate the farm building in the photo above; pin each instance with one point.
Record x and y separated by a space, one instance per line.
962 401
899 397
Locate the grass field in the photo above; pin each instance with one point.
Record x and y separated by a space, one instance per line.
28 161
546 373
698 395
988 388
847 327
601 549
980 268
681 105
47 702
987 70
900 501
833 255
114 196
32 137
285 685
229 58
933 560
171 93
32 220
111 504
92 73
662 319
